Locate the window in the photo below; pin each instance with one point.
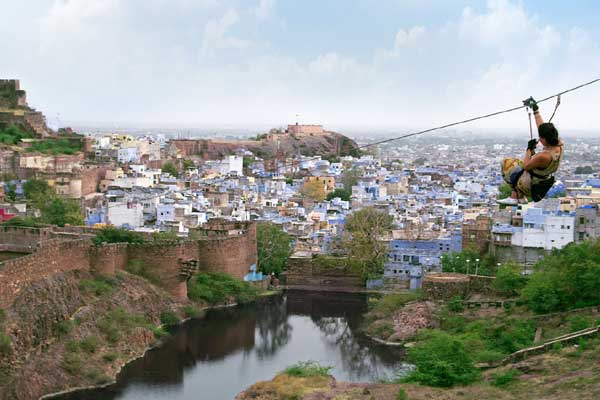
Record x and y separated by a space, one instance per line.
406 258
581 220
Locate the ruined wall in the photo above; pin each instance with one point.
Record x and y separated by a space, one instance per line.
315 273
446 286
20 239
52 256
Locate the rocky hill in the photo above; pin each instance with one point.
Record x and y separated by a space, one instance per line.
275 144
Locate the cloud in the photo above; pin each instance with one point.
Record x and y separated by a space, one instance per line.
216 33
264 9
409 38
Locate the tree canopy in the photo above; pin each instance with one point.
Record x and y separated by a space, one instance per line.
365 231
273 248
341 193
170 169
314 190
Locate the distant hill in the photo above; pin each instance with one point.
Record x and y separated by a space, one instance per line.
307 140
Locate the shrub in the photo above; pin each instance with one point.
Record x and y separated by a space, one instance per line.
63 328
190 311
99 286
2 316
568 278
118 321
381 329
5 344
305 369
509 281
110 356
456 305
401 395
441 360
89 344
110 234
72 363
579 322
504 378
214 288
169 317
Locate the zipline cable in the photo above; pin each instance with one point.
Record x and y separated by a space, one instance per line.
464 121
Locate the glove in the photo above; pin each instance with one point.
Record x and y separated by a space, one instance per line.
531 103
532 144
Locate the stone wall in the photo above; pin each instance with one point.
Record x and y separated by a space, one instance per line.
20 239
322 274
446 286
51 257
171 264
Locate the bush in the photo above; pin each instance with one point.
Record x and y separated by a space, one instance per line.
401 395
89 344
504 378
110 356
119 321
169 317
5 344
2 316
99 286
305 369
568 278
579 322
110 234
214 288
63 328
389 304
190 311
456 305
509 281
381 329
72 363
441 360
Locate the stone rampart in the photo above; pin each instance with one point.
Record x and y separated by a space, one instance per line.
322 273
51 257
171 263
22 239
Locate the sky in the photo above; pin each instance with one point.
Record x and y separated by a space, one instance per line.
377 64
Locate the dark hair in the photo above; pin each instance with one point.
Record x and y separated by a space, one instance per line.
548 132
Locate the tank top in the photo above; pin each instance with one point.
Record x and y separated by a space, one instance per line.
545 173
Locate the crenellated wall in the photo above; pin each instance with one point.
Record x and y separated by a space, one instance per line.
226 248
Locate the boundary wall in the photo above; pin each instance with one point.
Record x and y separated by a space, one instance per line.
170 264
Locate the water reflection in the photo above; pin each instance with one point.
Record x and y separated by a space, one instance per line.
228 350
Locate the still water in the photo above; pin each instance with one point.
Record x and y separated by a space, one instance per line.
219 356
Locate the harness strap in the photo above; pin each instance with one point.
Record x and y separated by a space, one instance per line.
555 107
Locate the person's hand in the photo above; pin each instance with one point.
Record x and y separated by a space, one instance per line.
531 145
531 103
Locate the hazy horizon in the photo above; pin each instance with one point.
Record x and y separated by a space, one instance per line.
387 65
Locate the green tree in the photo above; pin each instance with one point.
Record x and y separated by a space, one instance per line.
350 178
37 190
509 280
314 190
187 164
11 191
584 170
57 211
170 169
365 231
274 248
341 193
567 278
110 234
441 360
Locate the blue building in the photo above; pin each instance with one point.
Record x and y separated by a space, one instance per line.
411 259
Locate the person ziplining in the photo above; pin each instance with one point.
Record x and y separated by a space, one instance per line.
534 175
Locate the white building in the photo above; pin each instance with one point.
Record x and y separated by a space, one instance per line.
128 214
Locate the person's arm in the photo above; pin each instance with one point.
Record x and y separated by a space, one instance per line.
538 118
